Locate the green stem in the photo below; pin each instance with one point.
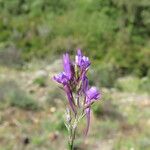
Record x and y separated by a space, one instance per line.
71 140
72 137
70 145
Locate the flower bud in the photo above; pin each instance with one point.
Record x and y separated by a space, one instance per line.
74 126
68 116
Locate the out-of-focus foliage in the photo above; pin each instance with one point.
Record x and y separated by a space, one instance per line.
133 84
129 83
114 31
12 95
104 75
145 84
107 109
41 81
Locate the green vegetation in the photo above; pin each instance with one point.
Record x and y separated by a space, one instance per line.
12 95
129 84
22 100
55 97
55 124
133 84
145 84
115 32
106 108
41 81
104 75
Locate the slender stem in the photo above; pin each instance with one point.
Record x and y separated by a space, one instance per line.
72 135
71 144
72 138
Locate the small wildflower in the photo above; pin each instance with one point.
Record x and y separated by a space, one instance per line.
78 91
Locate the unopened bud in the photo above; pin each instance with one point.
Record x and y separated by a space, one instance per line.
68 116
74 125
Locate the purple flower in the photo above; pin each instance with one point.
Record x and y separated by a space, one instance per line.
61 78
76 85
85 63
92 94
67 65
82 61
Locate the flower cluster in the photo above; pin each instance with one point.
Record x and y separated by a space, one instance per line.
76 85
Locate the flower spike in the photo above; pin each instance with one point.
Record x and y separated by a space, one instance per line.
80 95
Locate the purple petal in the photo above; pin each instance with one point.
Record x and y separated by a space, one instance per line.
61 78
93 93
67 65
79 53
82 61
78 57
85 84
85 63
70 97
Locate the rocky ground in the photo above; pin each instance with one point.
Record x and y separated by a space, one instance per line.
119 122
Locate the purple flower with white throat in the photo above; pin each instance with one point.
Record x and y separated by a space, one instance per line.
92 94
82 61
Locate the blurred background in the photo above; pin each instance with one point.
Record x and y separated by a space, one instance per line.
34 34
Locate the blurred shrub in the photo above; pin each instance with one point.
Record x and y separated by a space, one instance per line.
12 95
39 140
5 88
41 81
143 142
125 143
10 56
19 98
45 29
144 85
54 124
61 44
104 75
133 84
143 65
107 128
106 108
138 143
128 84
55 97
60 126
